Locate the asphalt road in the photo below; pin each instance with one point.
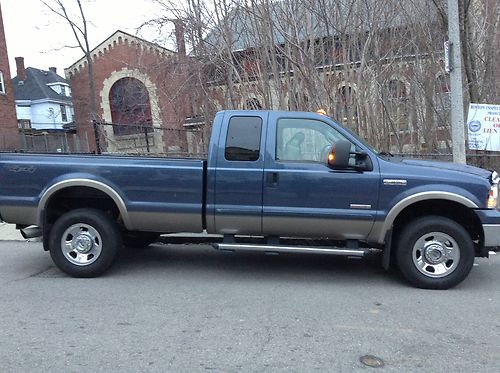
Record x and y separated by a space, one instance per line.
193 309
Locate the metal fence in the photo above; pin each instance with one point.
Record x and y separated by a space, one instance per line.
112 139
151 140
44 142
55 142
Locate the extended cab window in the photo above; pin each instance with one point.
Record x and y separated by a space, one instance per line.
243 139
304 140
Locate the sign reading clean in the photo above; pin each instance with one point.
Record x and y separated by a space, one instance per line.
483 124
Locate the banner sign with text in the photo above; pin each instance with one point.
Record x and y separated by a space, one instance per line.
483 124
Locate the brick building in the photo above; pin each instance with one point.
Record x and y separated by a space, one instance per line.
139 88
9 133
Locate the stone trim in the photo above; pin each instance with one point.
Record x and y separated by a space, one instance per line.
112 140
118 38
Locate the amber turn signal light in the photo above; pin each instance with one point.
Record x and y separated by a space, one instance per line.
493 197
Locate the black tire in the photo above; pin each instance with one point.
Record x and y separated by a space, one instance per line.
93 250
434 252
139 239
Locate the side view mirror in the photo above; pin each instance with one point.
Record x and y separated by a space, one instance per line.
339 154
339 157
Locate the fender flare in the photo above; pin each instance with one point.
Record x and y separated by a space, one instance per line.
419 197
89 183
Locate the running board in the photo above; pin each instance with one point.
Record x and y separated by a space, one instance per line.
294 249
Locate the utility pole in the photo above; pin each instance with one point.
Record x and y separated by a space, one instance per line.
456 88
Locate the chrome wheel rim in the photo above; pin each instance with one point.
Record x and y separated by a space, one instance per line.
436 254
81 244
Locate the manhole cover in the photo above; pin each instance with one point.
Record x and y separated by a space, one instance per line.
371 361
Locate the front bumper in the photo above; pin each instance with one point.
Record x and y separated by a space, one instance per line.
490 220
491 235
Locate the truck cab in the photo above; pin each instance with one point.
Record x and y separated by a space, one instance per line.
268 175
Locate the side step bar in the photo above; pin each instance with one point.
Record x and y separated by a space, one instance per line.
295 249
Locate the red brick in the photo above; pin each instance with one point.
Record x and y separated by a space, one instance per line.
9 133
165 72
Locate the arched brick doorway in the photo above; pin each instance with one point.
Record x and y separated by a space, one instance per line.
130 106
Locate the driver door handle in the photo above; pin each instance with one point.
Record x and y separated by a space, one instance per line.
272 179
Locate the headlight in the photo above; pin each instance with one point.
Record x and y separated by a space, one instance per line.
493 200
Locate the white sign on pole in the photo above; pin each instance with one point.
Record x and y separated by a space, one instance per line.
447 62
483 124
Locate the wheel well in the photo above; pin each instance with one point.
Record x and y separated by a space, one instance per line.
452 210
75 197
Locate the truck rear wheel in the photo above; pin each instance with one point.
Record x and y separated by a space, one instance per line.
84 242
434 252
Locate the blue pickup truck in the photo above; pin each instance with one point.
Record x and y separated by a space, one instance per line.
273 182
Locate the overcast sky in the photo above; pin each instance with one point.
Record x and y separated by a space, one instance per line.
38 35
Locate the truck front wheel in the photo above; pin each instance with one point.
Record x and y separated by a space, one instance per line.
84 242
434 252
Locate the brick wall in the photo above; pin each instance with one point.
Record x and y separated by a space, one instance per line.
120 56
9 134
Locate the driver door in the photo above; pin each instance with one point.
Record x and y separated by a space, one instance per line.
302 195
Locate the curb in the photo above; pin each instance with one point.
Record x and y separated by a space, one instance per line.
8 232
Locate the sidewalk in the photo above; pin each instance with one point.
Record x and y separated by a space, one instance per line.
8 232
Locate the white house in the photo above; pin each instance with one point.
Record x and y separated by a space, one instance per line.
43 98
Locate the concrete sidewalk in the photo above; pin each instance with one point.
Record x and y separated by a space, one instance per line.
8 232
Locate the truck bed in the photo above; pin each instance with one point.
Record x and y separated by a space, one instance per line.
158 194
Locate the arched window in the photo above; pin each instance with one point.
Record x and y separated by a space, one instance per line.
130 107
397 90
298 101
442 100
442 85
397 105
253 104
346 109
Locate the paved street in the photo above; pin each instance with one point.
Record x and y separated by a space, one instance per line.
193 309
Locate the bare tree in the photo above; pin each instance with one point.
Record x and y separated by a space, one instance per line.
375 65
79 28
480 37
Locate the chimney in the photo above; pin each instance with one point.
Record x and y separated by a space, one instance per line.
179 37
21 71
53 69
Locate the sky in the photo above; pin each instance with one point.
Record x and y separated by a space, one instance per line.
35 33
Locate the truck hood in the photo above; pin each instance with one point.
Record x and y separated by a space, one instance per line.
449 167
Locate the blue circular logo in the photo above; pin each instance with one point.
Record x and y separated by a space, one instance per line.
474 126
